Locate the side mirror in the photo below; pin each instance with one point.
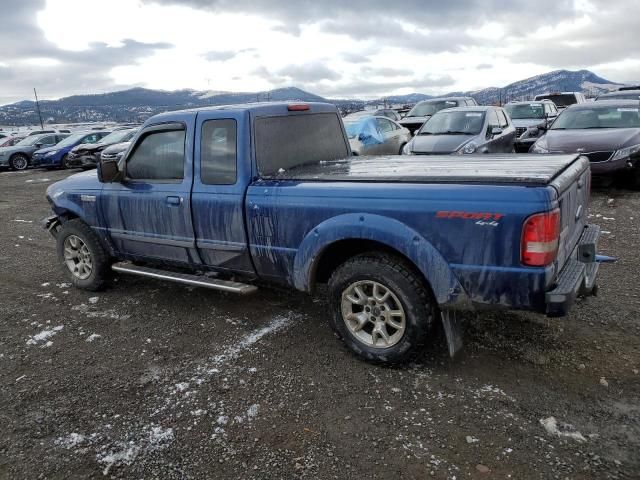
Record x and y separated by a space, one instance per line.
39 145
108 171
496 131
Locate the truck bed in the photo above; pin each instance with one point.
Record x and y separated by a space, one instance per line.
533 170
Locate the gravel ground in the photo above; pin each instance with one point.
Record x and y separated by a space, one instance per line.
155 380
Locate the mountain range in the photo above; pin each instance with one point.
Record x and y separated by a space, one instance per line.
137 104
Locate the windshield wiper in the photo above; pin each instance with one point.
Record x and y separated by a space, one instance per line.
453 132
425 133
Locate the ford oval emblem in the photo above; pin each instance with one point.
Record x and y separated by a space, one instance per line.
579 213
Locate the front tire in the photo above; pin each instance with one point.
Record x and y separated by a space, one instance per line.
19 162
382 309
82 255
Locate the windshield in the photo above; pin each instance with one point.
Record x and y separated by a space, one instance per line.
528 110
30 140
598 117
561 100
119 136
71 140
429 108
450 123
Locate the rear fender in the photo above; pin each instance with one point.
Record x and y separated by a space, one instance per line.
389 232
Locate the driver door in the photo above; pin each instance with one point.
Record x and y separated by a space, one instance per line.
148 213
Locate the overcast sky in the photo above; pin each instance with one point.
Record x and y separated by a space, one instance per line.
336 48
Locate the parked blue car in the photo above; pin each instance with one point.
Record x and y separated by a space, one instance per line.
56 156
270 193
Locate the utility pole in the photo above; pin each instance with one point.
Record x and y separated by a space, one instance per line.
38 107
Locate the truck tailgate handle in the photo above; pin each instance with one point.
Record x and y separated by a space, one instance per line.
174 201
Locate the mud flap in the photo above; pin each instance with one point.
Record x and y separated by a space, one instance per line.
453 331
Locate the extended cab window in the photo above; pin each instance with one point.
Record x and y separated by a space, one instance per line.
218 152
291 141
159 156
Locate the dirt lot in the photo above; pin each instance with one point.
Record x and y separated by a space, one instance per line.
155 380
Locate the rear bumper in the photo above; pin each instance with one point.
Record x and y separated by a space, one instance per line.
577 277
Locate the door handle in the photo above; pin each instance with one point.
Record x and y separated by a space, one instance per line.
174 201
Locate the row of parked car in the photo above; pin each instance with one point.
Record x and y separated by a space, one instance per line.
62 149
606 130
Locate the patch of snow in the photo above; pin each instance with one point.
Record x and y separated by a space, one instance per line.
45 284
17 220
123 454
181 387
70 441
92 337
20 378
44 335
93 300
222 420
552 427
252 412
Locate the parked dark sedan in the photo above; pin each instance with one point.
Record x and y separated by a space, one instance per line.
18 157
464 130
88 155
607 132
425 109
531 120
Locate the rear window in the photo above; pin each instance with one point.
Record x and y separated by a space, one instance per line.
287 142
560 99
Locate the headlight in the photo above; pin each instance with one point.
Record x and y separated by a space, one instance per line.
625 152
468 148
539 147
51 153
406 150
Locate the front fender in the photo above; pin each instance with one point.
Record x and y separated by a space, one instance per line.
390 232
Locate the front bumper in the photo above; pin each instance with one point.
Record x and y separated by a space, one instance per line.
51 224
90 159
43 161
611 166
578 275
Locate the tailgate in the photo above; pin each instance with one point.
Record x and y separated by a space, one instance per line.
573 187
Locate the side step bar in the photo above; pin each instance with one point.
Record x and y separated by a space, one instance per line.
194 280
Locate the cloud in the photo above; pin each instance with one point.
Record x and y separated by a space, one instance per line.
34 61
484 66
308 72
224 55
355 57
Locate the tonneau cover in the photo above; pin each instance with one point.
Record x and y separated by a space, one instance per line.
507 168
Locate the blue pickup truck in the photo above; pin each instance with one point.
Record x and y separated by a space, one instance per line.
237 196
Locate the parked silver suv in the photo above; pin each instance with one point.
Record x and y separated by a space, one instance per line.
422 111
531 119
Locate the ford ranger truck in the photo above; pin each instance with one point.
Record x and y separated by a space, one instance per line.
234 196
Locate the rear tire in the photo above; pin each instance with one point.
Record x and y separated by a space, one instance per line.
19 162
82 256
382 309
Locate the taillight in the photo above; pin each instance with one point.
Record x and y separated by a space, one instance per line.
297 107
540 238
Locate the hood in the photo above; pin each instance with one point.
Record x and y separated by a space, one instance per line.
116 148
81 181
88 147
55 148
410 120
439 143
591 140
527 122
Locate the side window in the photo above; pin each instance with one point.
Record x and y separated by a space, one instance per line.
384 126
493 119
218 152
93 138
158 156
48 140
504 123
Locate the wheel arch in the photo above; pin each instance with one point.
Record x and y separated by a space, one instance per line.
334 241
